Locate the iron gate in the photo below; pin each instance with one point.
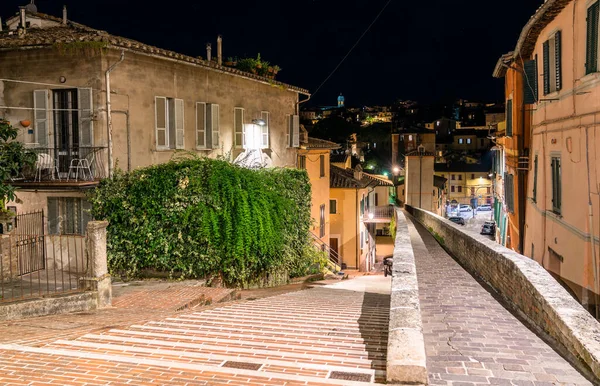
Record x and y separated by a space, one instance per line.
29 240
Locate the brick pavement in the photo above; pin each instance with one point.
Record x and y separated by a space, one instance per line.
470 338
329 335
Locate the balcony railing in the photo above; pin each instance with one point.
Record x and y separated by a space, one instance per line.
379 214
73 164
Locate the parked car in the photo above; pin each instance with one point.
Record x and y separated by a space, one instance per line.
484 208
488 228
466 208
457 220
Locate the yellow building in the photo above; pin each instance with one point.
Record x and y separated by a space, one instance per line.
467 182
314 157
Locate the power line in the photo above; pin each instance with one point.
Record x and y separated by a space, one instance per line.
352 49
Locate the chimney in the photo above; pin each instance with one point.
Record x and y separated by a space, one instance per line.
220 50
208 52
64 20
0 24
23 18
358 173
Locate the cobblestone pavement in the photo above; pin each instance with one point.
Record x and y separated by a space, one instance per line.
470 338
336 334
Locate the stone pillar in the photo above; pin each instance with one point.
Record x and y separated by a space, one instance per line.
8 259
99 279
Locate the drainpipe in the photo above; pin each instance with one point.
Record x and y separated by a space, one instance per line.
357 229
109 115
591 220
126 113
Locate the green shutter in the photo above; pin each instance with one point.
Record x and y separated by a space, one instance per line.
591 64
558 59
509 120
530 85
547 67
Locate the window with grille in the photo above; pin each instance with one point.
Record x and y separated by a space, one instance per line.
68 215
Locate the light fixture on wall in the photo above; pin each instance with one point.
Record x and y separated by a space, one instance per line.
62 79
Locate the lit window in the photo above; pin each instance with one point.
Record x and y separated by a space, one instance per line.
469 141
410 137
461 141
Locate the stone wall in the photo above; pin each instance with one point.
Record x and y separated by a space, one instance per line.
526 287
406 361
8 259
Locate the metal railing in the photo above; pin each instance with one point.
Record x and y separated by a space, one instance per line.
67 164
379 213
39 265
334 256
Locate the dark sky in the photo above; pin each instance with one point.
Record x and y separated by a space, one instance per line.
430 51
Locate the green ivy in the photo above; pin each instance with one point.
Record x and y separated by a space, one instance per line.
200 218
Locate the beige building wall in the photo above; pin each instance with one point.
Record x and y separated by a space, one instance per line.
346 226
419 189
567 127
319 189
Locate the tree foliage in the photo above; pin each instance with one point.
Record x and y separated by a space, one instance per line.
207 218
13 158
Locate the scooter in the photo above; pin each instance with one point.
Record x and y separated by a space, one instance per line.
388 262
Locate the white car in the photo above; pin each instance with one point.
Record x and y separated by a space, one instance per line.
484 208
466 208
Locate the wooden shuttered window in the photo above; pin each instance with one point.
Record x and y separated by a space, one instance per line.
535 178
238 128
509 118
547 67
178 126
552 64
265 130
201 125
169 118
591 62
40 107
86 124
556 185
558 59
509 192
530 84
293 132
162 117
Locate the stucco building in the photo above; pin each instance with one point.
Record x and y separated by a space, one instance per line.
558 53
88 102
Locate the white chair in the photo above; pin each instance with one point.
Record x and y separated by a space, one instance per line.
45 162
83 164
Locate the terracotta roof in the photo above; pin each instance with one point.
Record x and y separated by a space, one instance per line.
315 143
381 180
342 157
75 32
531 32
344 178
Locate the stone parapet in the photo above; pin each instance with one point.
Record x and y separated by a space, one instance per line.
406 360
526 287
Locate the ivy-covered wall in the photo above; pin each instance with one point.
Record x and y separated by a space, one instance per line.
207 218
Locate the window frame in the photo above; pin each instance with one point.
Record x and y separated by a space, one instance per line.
237 145
556 180
333 208
321 166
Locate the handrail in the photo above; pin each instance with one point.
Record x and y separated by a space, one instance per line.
334 257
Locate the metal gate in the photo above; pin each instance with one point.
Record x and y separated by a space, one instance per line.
29 240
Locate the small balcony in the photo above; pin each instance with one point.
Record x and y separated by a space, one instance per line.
378 215
65 167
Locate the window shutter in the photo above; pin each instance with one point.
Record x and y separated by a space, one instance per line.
558 59
535 177
161 123
238 127
509 119
201 125
86 133
40 107
547 67
179 124
264 115
295 131
591 64
53 216
530 85
215 125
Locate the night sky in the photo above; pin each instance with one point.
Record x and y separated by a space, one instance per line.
430 51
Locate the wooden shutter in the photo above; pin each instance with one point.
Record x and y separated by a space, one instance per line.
238 127
295 131
264 142
86 132
214 125
162 137
40 107
509 118
179 124
201 125
558 59
530 86
591 63
547 67
322 165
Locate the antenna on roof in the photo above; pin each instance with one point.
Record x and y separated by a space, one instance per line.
31 7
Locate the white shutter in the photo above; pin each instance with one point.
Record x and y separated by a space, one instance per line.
288 132
264 115
162 137
201 126
40 108
214 125
295 131
86 129
179 124
238 128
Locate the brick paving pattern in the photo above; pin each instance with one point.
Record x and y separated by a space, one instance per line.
299 338
470 338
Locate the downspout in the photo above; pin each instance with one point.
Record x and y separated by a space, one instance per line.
126 113
591 220
357 228
521 176
109 115
300 102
